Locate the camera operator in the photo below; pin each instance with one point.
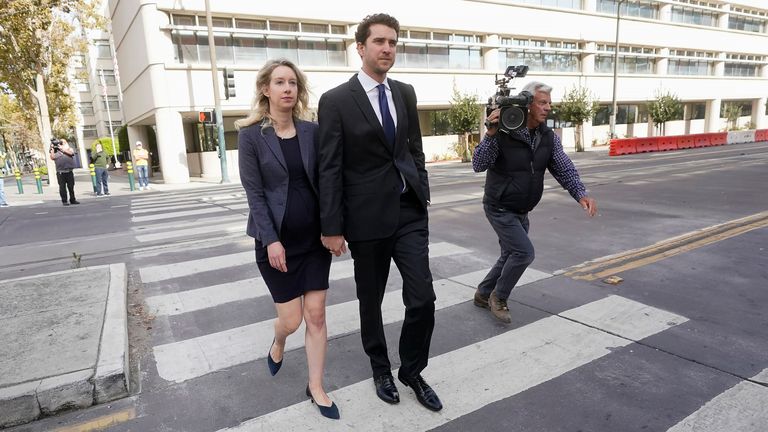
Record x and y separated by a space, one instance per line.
514 184
63 155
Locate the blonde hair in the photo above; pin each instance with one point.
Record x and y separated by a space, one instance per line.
260 105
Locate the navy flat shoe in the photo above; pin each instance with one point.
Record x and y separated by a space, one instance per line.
274 366
331 412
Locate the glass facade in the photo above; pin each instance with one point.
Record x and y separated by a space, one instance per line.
632 60
635 8
691 15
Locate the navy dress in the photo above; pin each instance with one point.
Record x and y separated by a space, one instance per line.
308 261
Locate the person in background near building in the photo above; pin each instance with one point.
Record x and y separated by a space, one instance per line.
99 160
278 169
516 162
3 201
141 163
374 193
63 155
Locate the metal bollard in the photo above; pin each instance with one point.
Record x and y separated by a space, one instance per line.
38 181
131 180
93 178
18 181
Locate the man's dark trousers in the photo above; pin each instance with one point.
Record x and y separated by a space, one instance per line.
66 182
408 248
516 251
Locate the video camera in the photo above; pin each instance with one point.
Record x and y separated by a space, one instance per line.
55 144
513 112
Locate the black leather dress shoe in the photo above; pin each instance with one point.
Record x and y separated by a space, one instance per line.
386 389
424 393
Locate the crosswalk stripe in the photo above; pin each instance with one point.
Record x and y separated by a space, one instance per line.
196 299
525 357
740 408
206 229
186 268
177 214
204 221
158 208
192 358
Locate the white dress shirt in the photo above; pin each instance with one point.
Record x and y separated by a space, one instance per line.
369 85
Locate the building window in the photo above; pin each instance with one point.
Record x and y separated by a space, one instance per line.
184 20
115 124
110 102
744 23
744 108
741 69
634 8
89 131
687 62
83 86
86 108
283 26
250 50
221 22
570 4
283 47
632 59
438 50
103 50
691 15
696 111
250 24
109 77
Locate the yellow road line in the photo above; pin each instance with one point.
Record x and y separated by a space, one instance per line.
102 422
629 260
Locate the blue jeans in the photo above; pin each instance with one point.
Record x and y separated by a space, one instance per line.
141 171
516 251
102 176
2 191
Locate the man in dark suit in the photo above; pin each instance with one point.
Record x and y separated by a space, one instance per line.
374 194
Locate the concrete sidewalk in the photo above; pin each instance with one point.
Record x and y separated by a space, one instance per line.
64 342
118 185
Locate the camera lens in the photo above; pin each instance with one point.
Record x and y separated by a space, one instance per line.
511 117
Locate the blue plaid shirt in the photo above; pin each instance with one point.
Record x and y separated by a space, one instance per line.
560 165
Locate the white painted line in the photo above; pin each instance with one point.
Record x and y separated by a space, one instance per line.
190 232
155 209
740 408
215 220
529 276
191 358
119 206
41 213
196 299
186 268
525 357
177 214
444 199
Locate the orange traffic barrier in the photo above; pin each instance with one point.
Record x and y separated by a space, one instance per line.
701 140
685 142
622 146
667 143
719 138
645 145
761 135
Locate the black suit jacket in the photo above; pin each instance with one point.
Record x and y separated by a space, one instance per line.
264 175
359 170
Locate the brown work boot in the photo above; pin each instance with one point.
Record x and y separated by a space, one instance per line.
499 308
481 300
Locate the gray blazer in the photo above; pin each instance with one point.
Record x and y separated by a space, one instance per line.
264 175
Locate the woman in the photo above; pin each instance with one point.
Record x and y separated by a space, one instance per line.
278 156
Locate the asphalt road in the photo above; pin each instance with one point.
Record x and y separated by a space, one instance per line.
679 344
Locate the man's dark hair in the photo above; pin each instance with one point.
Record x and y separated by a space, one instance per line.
364 28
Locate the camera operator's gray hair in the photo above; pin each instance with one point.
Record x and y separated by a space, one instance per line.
537 86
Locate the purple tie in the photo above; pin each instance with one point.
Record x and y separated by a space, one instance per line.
386 117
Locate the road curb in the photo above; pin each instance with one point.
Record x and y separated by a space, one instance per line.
107 380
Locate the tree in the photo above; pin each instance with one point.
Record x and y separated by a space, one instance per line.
17 131
464 117
732 112
577 106
38 39
665 107
106 144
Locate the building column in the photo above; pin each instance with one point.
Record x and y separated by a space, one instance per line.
588 62
712 117
722 20
665 12
662 62
720 64
353 58
491 56
759 119
589 5
170 146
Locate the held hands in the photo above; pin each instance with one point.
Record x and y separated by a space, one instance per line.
276 254
589 205
492 122
335 244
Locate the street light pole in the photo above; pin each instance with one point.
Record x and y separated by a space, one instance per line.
109 116
216 96
615 70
